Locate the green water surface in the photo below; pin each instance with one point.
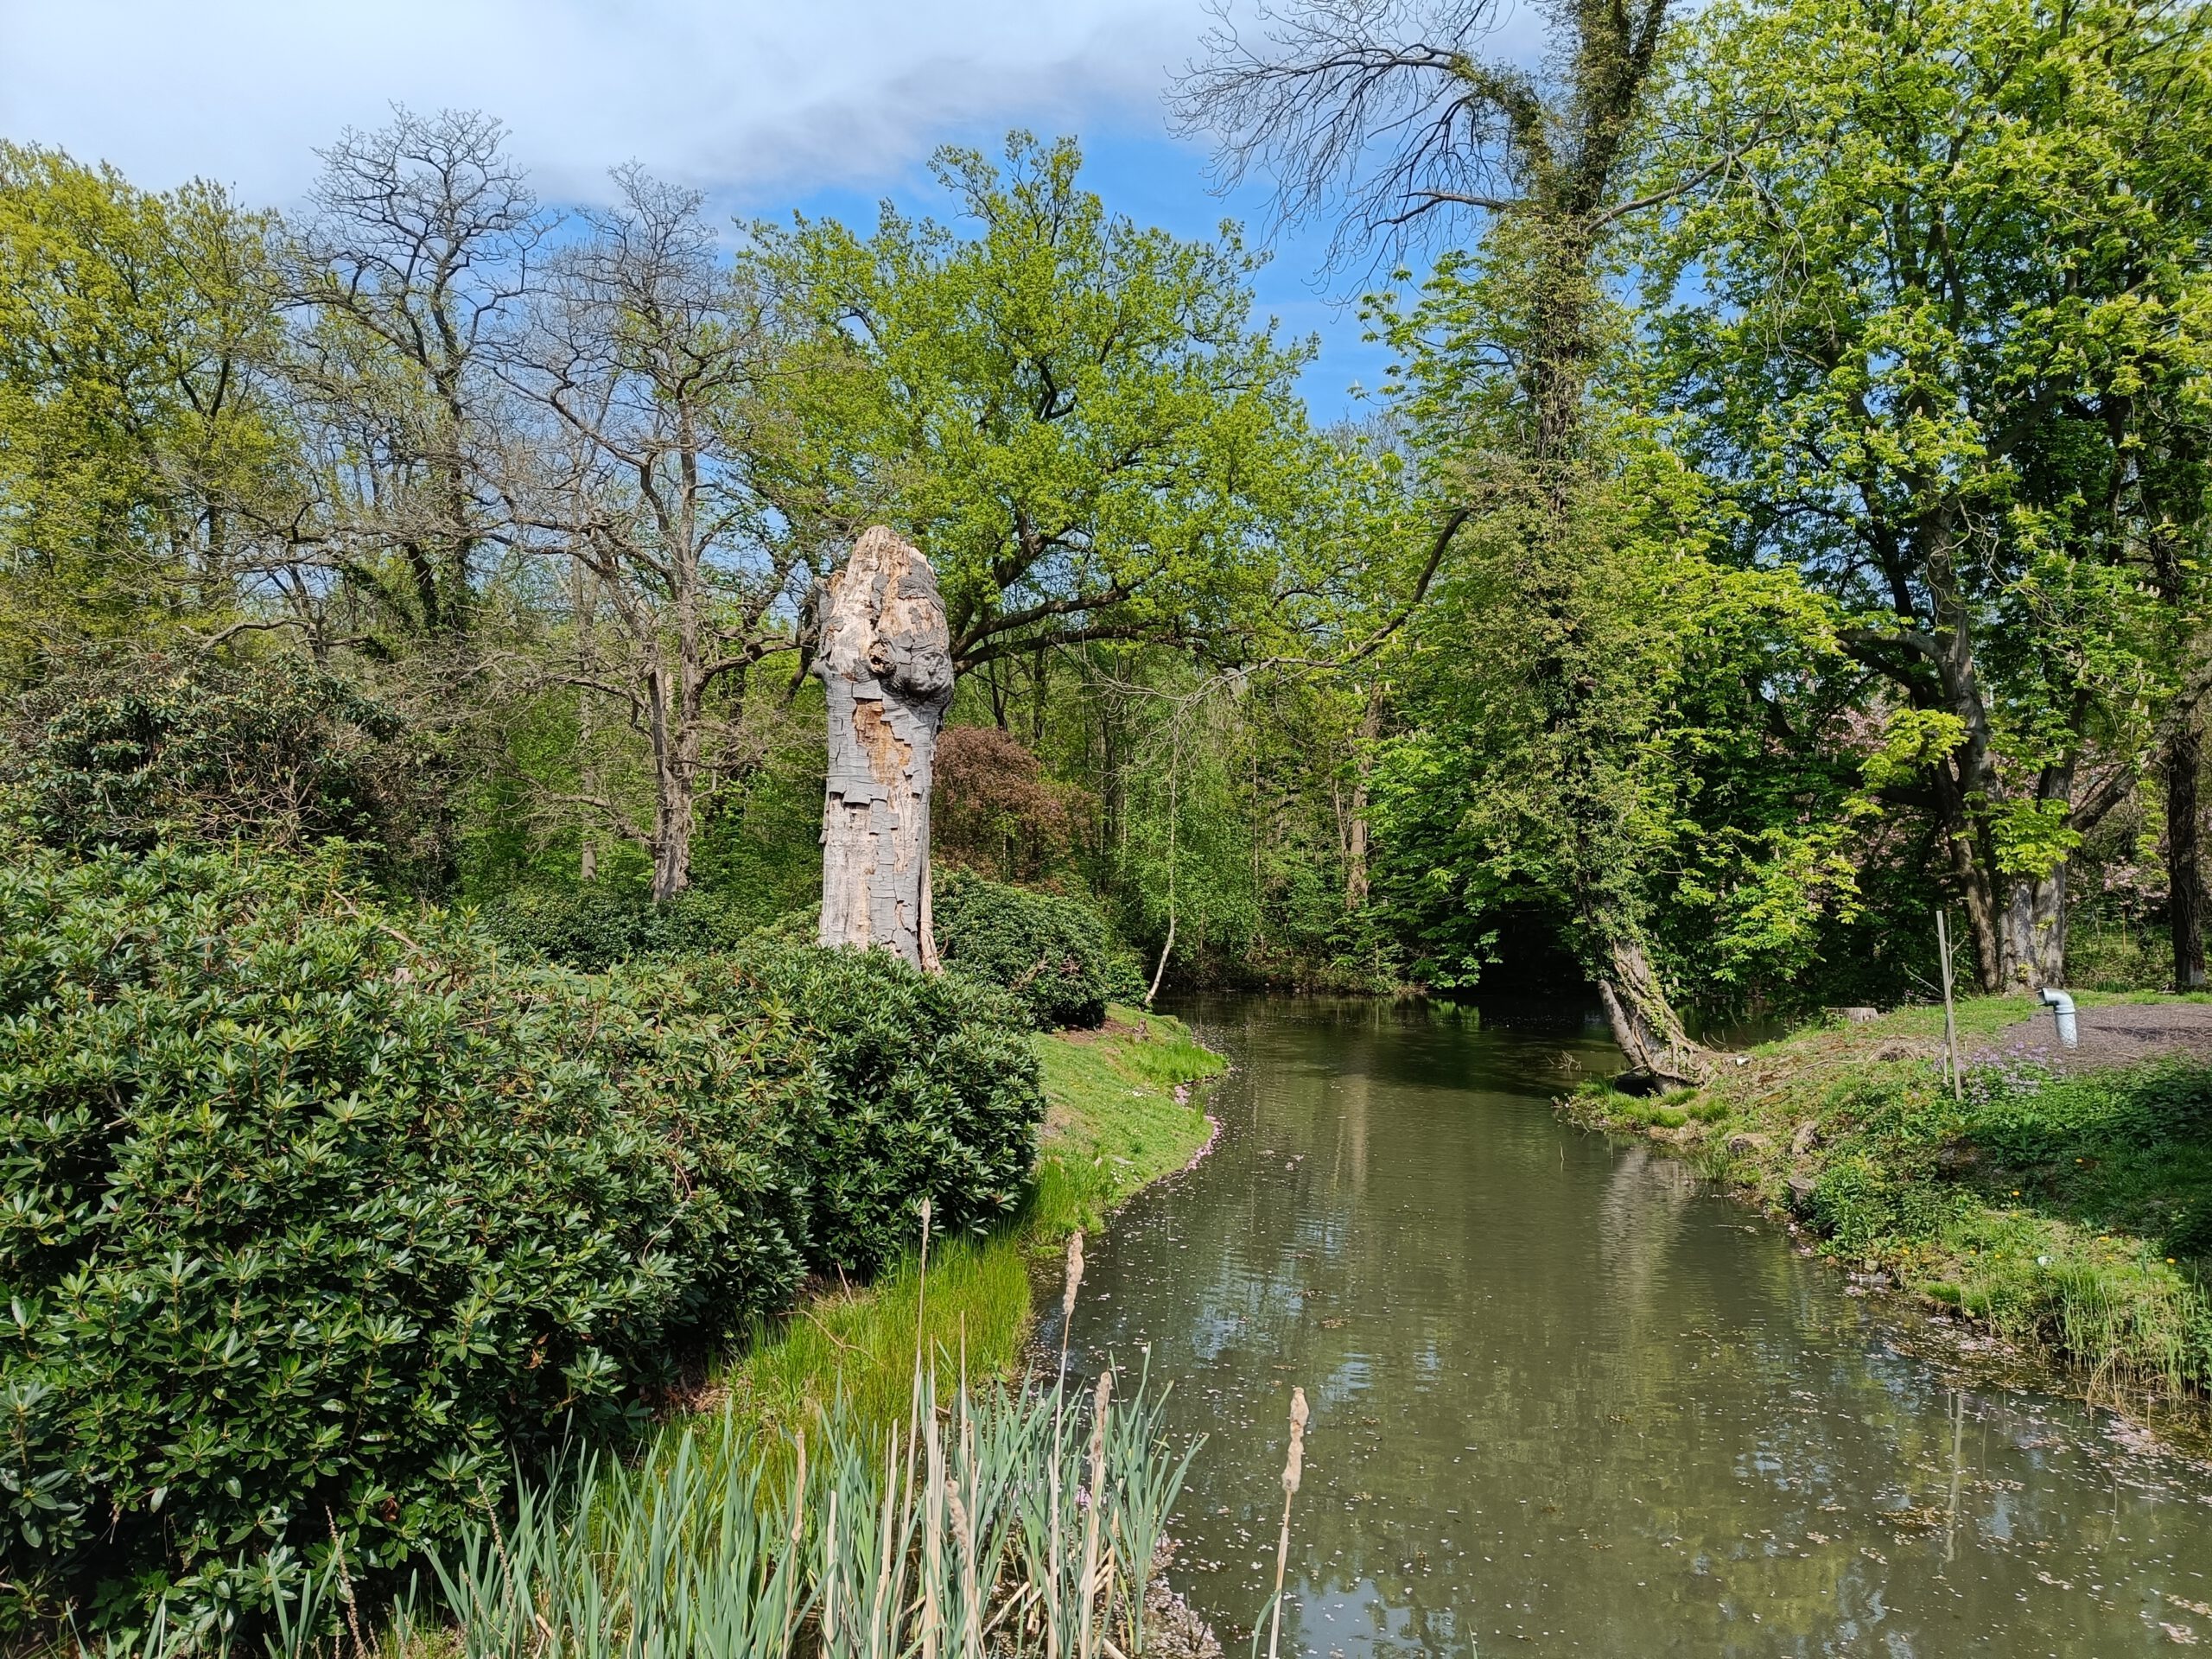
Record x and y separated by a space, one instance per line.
1566 1399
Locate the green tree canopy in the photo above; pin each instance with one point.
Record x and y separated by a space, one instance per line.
1078 419
140 449
1937 298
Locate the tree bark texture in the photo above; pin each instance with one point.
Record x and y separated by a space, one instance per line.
1645 1027
1355 837
886 660
2184 857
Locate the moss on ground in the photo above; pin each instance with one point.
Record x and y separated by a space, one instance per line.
1113 1125
2069 1211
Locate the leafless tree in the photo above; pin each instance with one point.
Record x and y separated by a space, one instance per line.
647 365
1367 115
1385 118
414 266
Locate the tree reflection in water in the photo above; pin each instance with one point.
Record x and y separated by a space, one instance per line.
1561 1392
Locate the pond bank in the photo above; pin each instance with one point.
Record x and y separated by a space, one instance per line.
2064 1205
1120 1116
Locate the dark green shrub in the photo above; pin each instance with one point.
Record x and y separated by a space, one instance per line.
318 1218
927 1083
594 925
128 750
1057 955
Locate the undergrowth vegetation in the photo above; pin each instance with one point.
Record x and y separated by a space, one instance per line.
1055 954
595 925
2072 1211
1116 1122
320 1216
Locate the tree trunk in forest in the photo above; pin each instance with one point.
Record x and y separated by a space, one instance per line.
2033 937
1356 881
1644 1024
676 773
2173 488
2184 857
886 662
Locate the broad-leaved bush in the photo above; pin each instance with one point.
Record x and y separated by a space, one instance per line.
1055 954
319 1217
595 925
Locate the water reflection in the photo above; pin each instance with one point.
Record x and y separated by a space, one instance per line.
1562 1395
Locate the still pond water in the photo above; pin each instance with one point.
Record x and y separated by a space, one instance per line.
1566 1400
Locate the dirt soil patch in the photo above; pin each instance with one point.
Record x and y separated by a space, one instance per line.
2113 1033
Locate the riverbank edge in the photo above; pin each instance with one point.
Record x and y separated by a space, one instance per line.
1121 1113
1791 1126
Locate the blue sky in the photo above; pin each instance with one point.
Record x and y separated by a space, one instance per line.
825 105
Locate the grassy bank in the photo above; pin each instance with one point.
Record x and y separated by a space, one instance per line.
1116 1124
2070 1213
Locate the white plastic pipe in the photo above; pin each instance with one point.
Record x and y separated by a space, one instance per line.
2062 1006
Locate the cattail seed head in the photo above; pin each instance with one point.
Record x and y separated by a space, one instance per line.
1098 1430
1075 1276
1293 1467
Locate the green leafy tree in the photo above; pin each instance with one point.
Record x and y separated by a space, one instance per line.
1077 418
1390 119
141 451
1938 280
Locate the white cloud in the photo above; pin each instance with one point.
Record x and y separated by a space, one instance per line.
740 97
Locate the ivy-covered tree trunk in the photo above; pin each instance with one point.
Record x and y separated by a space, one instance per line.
886 661
1645 1027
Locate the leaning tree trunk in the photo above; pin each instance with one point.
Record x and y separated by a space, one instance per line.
886 660
1644 1024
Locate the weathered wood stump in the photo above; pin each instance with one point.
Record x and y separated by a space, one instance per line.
886 660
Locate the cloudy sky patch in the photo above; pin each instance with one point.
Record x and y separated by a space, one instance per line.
751 100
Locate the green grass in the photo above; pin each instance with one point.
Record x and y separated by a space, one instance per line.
1113 1125
2074 1211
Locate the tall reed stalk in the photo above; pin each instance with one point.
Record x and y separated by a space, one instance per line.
1293 1470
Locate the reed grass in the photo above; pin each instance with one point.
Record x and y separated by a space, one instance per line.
1293 1470
942 1536
926 1543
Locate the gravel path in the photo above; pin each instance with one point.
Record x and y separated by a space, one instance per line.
2118 1033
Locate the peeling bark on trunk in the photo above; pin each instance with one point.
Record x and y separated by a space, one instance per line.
887 664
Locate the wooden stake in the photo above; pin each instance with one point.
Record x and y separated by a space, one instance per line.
1951 1016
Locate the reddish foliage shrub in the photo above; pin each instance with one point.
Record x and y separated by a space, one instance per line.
994 808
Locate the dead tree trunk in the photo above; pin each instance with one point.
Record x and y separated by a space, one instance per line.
886 661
